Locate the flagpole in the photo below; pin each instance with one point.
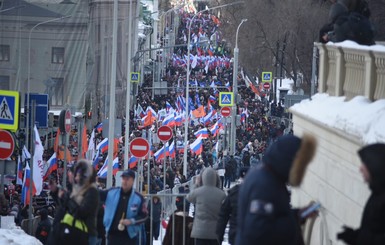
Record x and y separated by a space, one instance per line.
31 183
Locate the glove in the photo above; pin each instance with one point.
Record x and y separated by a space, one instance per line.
348 235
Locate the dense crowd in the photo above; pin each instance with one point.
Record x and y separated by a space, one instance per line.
211 73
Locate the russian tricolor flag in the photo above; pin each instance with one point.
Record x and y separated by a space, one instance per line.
160 154
212 99
179 120
171 150
202 133
52 166
102 173
169 121
103 146
168 106
132 162
197 146
27 186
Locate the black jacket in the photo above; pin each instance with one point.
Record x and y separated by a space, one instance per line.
372 228
43 230
228 213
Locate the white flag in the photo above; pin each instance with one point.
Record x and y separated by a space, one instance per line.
38 164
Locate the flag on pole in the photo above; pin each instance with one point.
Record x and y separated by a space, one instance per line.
197 146
52 166
27 187
202 133
103 146
160 154
38 164
132 162
19 178
171 150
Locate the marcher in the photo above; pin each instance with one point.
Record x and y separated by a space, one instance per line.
83 202
44 227
207 200
228 211
372 228
155 212
178 221
264 212
125 212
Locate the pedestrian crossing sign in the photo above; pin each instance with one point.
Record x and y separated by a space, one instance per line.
9 110
135 77
267 77
226 99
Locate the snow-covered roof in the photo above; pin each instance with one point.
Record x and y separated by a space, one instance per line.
358 117
354 45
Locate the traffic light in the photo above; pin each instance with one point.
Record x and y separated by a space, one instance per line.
89 115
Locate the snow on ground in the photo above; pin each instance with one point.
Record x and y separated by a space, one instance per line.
17 236
359 117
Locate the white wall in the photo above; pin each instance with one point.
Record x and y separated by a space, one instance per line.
333 178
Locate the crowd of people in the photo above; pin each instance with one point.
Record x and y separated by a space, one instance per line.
211 73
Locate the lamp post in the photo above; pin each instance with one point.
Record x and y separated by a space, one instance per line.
235 90
29 67
188 80
28 109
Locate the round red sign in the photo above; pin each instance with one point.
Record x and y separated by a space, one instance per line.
139 147
7 144
164 133
226 111
67 121
266 85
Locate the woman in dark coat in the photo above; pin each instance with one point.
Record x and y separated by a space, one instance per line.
372 228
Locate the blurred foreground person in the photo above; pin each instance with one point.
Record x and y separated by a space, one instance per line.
264 212
372 228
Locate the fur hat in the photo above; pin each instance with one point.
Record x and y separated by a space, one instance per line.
289 156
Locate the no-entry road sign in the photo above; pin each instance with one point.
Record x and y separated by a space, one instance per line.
139 147
266 85
226 111
164 133
7 144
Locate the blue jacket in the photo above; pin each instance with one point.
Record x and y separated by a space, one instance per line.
135 211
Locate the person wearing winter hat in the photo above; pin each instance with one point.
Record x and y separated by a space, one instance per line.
372 228
228 211
264 212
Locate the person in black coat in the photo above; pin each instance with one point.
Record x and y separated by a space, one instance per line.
264 212
44 227
154 208
228 212
372 228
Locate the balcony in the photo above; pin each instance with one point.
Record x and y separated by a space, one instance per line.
348 69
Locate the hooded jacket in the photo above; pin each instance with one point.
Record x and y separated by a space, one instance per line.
372 228
264 212
207 200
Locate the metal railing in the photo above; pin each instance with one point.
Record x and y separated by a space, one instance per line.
351 70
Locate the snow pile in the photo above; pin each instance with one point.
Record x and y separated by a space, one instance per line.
358 117
17 236
354 45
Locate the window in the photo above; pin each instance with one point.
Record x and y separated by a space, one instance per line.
4 82
4 52
56 92
57 55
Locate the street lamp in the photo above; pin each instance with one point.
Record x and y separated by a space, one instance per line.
235 90
188 80
29 67
28 110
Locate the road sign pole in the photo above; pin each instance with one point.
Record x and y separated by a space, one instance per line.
2 172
